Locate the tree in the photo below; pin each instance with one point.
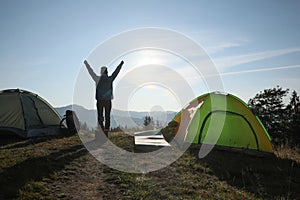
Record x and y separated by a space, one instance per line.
294 110
269 107
148 122
158 124
294 103
84 126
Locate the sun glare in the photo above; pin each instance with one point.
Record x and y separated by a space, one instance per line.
147 57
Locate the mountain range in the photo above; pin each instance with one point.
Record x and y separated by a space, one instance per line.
129 119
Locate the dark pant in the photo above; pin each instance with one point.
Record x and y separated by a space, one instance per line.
106 106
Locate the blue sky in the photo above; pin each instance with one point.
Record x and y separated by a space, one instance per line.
254 44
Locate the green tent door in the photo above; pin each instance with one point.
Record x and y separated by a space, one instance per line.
236 130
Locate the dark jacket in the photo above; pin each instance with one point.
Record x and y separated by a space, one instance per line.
104 83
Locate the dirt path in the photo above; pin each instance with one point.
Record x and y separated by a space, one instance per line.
83 178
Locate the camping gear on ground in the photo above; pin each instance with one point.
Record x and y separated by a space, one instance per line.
219 119
28 115
72 121
147 141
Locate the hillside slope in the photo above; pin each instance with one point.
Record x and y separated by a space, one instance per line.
61 168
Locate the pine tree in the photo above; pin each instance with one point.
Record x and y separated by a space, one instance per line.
148 123
84 126
294 102
269 107
294 111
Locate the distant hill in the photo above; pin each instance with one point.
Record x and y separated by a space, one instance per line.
129 119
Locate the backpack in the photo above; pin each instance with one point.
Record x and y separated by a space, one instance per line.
72 122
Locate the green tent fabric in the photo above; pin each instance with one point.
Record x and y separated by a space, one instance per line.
27 114
222 120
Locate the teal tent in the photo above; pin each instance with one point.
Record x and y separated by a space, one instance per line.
27 115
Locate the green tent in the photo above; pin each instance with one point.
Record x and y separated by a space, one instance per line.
27 115
222 120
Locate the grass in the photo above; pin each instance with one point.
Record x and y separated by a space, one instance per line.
285 152
182 180
61 168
